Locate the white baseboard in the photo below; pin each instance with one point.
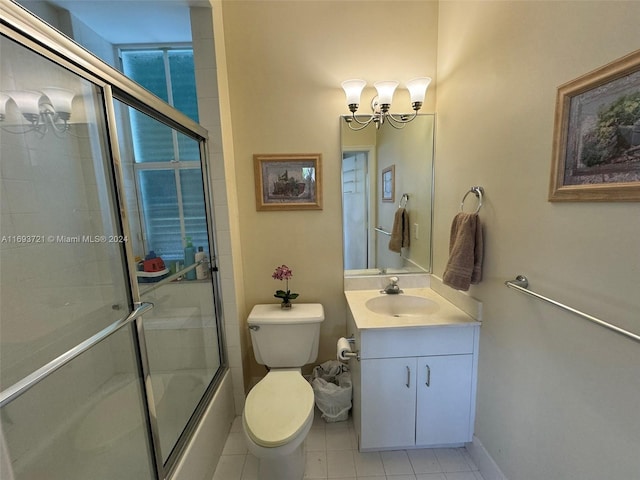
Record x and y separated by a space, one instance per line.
487 466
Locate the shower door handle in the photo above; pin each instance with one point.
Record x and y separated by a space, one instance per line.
17 389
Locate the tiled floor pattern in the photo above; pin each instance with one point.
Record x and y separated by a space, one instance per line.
331 453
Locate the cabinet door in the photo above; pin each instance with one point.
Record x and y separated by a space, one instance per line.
388 402
444 400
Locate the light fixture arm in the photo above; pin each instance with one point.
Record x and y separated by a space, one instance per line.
51 118
402 120
353 118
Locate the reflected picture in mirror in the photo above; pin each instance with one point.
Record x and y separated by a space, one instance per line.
368 215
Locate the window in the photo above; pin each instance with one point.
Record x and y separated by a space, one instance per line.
167 163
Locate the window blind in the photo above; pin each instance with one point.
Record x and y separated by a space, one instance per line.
167 162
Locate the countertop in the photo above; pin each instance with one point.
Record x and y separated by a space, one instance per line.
447 314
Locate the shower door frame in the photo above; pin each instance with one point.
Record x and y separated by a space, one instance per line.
26 29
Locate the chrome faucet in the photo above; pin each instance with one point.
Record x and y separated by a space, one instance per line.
392 288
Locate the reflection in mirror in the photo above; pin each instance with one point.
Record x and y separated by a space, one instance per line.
379 166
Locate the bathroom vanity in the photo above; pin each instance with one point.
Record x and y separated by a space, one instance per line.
415 381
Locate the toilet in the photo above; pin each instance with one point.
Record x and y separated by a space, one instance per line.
278 411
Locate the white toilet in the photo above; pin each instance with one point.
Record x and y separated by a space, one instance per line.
278 412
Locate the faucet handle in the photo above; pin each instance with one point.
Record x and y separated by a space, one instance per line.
392 287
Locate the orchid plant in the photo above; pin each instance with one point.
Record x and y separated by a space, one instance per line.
284 273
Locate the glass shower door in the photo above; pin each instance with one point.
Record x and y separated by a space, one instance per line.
166 198
71 397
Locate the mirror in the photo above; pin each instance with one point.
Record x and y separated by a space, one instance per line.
379 166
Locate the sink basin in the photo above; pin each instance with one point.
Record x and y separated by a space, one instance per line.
401 305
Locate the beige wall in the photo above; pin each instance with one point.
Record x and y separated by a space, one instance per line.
557 396
285 63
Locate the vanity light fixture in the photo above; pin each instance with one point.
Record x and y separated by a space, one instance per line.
46 110
382 102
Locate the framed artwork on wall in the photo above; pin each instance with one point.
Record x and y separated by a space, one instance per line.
288 181
596 142
389 184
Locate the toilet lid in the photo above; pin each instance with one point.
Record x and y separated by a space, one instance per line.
278 408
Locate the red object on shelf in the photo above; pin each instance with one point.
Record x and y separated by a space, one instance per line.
154 265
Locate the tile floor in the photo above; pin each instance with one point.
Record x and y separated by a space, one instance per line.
332 453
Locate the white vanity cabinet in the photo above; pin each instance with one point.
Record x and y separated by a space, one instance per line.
414 386
444 401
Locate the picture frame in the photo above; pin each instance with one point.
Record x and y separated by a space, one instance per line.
596 140
288 181
389 184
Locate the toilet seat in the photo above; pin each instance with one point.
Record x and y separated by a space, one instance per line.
278 408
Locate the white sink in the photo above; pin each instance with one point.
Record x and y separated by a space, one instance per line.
401 305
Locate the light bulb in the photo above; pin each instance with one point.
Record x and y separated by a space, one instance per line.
4 98
385 91
28 103
353 90
418 89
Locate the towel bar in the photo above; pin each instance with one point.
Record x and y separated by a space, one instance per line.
521 283
381 230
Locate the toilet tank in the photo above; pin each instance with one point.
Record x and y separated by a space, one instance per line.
286 338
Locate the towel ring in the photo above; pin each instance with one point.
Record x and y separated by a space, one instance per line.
477 191
403 200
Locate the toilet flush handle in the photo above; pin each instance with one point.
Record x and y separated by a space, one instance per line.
255 328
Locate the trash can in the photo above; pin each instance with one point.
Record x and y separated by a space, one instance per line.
332 388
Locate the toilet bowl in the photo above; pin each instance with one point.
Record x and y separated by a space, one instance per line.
277 417
278 411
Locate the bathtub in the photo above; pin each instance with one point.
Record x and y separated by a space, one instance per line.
108 424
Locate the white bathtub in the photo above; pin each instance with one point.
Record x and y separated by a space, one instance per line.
108 423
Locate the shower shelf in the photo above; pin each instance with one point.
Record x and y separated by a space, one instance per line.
170 278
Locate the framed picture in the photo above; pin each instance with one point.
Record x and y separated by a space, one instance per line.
288 181
596 141
389 184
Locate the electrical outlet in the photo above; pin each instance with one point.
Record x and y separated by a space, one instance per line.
415 231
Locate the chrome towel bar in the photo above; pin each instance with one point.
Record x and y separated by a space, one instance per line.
521 283
381 230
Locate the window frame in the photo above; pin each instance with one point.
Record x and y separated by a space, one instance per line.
171 164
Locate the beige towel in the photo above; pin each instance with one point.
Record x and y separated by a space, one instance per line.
465 252
400 231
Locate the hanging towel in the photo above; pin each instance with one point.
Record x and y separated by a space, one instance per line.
400 231
465 252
